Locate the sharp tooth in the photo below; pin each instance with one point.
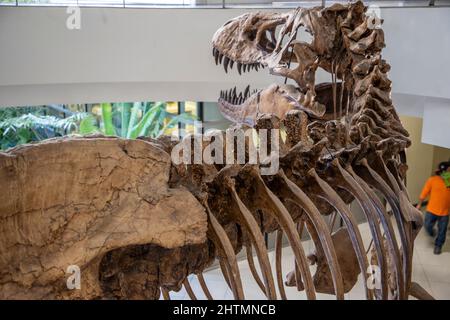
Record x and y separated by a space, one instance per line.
247 90
231 64
230 95
225 96
234 92
214 52
256 66
220 58
225 63
216 57
239 67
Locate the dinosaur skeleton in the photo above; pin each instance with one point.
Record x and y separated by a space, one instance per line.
137 224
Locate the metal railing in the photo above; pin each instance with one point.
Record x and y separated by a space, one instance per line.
218 3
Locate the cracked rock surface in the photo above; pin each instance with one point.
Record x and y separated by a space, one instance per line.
69 201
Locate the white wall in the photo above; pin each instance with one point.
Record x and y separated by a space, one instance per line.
436 123
419 157
435 113
165 54
418 49
159 54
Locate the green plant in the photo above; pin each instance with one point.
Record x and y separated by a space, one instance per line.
136 119
34 127
13 112
128 120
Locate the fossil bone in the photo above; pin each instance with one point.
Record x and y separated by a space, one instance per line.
138 224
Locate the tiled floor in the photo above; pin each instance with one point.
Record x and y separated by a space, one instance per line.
429 270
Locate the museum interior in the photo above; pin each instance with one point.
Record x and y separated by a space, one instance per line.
345 106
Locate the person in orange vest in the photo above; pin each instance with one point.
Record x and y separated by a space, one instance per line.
438 189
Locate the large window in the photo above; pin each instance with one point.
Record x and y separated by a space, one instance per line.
187 107
130 120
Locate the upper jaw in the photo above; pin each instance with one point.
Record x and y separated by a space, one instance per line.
228 62
247 41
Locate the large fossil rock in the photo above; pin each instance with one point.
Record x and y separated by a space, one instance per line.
70 201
